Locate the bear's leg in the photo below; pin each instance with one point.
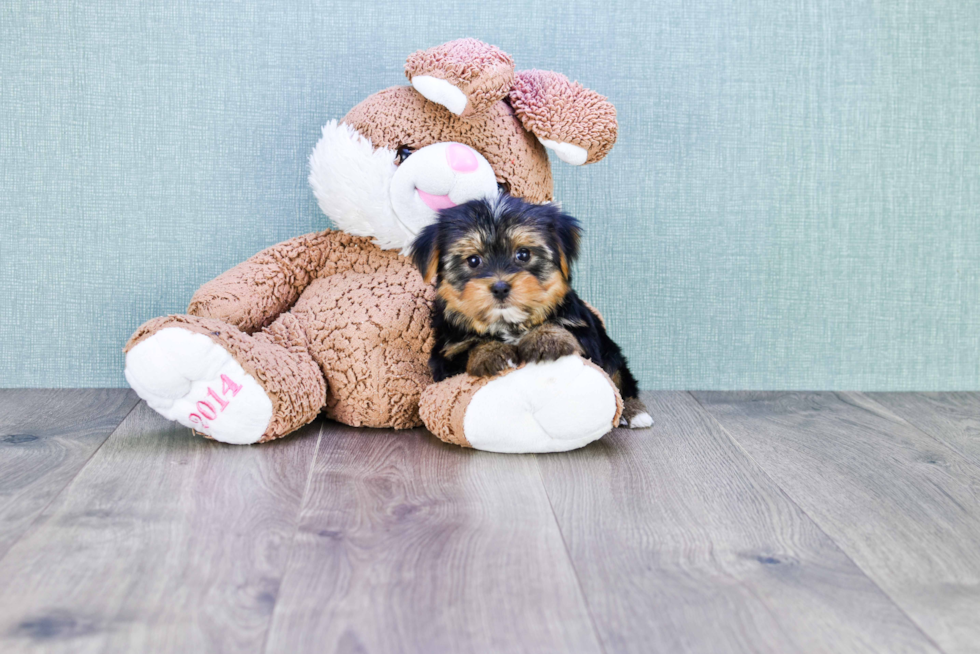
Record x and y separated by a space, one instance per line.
539 407
371 336
226 384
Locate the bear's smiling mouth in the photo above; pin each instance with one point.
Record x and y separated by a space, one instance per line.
435 202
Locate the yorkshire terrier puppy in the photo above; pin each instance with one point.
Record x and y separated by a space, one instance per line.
503 281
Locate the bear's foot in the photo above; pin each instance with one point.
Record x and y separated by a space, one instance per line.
226 384
539 407
189 378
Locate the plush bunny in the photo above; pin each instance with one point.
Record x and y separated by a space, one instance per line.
340 320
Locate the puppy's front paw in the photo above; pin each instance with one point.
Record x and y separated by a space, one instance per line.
490 358
547 343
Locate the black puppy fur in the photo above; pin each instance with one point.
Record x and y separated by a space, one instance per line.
502 273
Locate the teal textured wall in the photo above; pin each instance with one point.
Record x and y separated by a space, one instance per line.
794 201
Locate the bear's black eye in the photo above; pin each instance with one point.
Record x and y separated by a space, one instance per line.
473 261
523 255
404 152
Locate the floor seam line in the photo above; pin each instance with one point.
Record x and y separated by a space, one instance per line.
568 555
293 536
816 524
31 527
969 458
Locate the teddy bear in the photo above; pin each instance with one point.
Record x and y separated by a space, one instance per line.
339 321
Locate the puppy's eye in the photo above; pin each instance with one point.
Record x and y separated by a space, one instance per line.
473 261
523 255
404 152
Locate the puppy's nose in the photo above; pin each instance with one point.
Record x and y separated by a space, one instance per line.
461 158
500 289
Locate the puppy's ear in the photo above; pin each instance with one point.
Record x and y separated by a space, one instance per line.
574 122
465 76
425 252
568 232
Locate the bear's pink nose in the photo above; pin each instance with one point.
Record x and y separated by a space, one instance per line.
461 158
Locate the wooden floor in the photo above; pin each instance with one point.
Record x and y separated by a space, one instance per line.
741 522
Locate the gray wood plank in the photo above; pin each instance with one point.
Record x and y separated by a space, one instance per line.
46 436
902 505
164 542
682 544
407 544
953 418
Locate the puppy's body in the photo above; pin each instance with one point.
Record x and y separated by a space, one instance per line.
454 344
504 297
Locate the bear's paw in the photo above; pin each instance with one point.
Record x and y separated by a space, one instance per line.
187 377
554 406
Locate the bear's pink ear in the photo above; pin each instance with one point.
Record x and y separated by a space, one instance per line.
465 76
578 124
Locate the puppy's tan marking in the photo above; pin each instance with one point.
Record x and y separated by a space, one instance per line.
524 236
450 350
433 267
470 308
467 245
572 322
539 299
563 264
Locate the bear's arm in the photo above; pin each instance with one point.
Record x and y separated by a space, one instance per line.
253 294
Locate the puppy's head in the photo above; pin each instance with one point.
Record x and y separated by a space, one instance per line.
499 261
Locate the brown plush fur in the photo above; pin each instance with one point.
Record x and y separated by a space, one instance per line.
357 350
482 72
400 116
551 105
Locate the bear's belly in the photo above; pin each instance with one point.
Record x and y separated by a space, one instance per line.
371 335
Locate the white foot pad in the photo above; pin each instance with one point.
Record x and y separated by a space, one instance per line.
187 377
639 421
544 407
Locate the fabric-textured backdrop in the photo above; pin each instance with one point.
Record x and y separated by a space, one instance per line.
794 201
